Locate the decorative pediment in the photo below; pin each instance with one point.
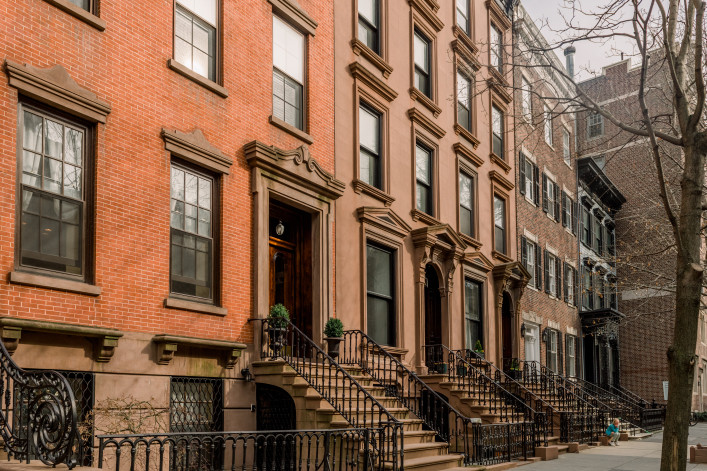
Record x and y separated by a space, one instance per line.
439 245
360 73
296 165
511 277
195 148
54 86
384 218
479 261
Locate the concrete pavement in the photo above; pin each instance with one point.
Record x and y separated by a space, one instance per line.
634 455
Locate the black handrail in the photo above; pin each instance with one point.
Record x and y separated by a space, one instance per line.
334 449
39 418
346 395
462 433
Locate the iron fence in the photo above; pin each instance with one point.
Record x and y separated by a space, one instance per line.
335 450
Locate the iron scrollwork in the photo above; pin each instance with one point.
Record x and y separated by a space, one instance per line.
38 419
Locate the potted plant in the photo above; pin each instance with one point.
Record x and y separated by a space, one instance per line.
461 369
278 318
333 334
479 350
515 372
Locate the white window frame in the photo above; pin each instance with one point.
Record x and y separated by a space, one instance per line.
550 192
594 120
571 355
552 276
552 346
527 100
566 147
530 248
569 280
547 125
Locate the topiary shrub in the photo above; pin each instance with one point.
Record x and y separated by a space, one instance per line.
279 316
334 328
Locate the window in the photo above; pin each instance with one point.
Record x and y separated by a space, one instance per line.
53 195
600 160
423 176
499 220
369 129
195 36
87 5
598 235
566 147
368 23
569 284
288 74
496 48
466 204
595 125
598 291
379 294
422 64
529 176
497 130
463 15
587 301
464 101
610 241
551 198
527 101
551 263
548 125
472 313
192 240
552 349
550 192
530 259
571 342
586 227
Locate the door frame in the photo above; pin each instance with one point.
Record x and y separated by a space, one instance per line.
529 326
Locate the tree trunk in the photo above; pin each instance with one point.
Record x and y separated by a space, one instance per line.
681 354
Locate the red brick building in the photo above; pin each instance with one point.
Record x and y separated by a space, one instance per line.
144 153
546 202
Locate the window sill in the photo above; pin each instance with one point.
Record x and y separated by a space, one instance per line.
298 133
80 13
360 49
183 304
360 186
196 78
466 134
426 101
530 200
51 282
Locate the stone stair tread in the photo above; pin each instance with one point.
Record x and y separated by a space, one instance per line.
421 446
411 463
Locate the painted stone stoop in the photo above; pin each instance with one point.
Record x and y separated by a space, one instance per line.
421 450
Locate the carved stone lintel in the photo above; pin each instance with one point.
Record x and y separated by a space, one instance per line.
195 148
105 348
167 346
165 353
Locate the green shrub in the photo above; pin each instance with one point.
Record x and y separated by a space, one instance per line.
334 328
478 348
278 316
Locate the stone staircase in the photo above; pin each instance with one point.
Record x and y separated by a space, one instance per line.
421 448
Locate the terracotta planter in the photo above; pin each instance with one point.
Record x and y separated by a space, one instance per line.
333 344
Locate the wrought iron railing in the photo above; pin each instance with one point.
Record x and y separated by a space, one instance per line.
478 443
38 419
282 339
290 450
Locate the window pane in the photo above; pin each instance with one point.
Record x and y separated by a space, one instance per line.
31 169
49 236
53 139
202 37
32 132
463 86
499 212
368 35
379 325
369 10
190 218
72 181
182 52
205 9
204 222
288 49
30 231
463 117
379 285
421 52
497 121
183 26
204 193
423 199
73 141
378 271
52 175
190 188
177 183
422 165
369 129
465 195
70 212
201 63
422 82
465 219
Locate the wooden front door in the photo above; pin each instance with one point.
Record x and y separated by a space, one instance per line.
291 263
507 329
433 310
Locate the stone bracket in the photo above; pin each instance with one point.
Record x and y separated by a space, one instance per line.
167 346
105 340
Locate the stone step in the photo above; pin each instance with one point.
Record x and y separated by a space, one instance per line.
432 463
407 424
421 450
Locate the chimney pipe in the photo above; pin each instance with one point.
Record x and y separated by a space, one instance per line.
569 60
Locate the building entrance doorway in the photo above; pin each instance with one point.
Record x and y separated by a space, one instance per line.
433 309
506 329
290 241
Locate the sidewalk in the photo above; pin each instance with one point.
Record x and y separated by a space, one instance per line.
634 455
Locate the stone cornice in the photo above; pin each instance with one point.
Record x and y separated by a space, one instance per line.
195 148
501 180
426 10
360 72
384 218
54 86
293 12
167 346
360 49
426 101
462 150
498 15
296 165
426 123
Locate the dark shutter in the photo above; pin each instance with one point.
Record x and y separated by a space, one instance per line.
538 268
536 184
559 352
558 278
577 288
521 172
575 208
578 349
547 271
556 194
546 335
565 273
545 201
568 338
565 222
524 251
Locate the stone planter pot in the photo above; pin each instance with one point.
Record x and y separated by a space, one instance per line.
276 339
333 344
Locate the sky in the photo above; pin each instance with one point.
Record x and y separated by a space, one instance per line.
590 57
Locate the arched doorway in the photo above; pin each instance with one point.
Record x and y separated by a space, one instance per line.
433 311
275 410
507 328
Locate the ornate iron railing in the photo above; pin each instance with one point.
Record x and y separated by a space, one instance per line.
463 434
38 419
348 397
335 450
